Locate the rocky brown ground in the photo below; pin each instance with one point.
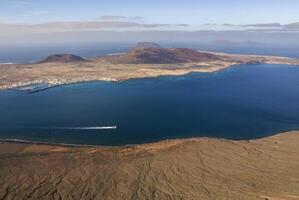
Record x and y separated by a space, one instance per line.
179 169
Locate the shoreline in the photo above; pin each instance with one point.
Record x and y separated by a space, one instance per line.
182 139
109 80
31 142
50 85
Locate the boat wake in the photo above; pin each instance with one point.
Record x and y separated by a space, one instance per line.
88 128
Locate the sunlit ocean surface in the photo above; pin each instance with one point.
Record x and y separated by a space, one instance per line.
248 101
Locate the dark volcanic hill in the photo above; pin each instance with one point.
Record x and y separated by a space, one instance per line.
147 45
63 58
165 56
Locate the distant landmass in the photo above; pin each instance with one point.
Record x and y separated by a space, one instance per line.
63 58
231 42
165 56
147 45
142 62
264 25
292 26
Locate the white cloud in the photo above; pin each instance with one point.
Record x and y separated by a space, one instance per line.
21 28
120 18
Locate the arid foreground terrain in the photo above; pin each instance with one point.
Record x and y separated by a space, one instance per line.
138 63
179 169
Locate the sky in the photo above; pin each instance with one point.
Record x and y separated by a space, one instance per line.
250 22
193 12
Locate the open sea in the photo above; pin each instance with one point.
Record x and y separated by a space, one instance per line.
242 102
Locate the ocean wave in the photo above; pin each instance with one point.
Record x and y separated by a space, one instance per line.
67 127
7 63
21 141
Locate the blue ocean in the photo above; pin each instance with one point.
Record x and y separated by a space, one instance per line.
242 102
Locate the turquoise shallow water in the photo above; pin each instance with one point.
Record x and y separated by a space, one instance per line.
239 103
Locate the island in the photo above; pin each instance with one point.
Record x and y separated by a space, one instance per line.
146 60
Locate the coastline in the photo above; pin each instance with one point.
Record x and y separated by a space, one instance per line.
181 139
57 83
31 142
19 86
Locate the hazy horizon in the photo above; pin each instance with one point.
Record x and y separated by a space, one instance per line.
29 22
151 12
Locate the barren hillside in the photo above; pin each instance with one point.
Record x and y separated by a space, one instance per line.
180 169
